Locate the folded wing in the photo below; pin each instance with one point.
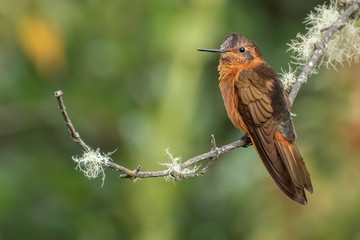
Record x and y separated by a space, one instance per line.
272 133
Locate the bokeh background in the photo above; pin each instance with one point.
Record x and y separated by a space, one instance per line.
133 82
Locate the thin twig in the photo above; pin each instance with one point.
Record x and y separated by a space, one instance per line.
73 134
212 160
215 151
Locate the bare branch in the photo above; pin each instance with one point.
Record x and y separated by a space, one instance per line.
73 134
215 151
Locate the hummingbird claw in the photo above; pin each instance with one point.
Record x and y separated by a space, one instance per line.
247 140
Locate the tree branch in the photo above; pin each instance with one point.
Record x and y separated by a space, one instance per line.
320 47
181 171
212 155
73 134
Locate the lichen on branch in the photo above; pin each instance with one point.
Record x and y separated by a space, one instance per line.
342 47
92 164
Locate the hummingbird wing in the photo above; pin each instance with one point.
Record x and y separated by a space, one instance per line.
265 112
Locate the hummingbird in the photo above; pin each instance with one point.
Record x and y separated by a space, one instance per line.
257 104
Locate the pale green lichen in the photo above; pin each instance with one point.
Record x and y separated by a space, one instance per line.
346 2
316 22
288 78
92 163
344 45
175 170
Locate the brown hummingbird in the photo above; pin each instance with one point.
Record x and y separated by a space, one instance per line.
257 104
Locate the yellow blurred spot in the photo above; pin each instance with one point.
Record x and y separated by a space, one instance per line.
43 43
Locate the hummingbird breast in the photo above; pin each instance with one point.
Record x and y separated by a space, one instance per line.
230 97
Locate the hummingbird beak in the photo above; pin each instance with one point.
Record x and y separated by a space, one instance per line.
213 50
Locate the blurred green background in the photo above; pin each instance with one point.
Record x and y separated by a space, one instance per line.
133 81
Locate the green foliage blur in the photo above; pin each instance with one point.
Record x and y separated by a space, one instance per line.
133 82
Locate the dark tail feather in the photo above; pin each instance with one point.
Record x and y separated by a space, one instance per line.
293 162
286 167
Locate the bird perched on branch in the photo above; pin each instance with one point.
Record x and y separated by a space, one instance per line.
257 104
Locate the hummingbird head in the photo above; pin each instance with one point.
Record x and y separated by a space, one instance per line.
236 49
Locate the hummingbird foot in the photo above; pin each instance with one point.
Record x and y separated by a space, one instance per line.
247 140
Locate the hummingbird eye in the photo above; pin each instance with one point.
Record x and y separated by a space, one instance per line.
242 49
